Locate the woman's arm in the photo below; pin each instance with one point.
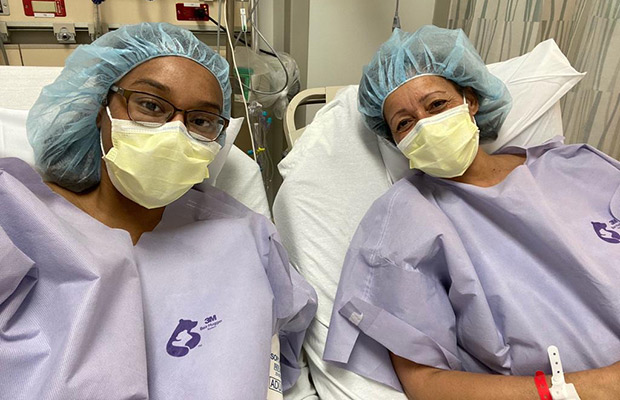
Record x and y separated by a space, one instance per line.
421 382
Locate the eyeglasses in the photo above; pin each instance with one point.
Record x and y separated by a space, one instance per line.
153 111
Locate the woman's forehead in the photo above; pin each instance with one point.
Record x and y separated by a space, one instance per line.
419 88
177 76
426 84
165 64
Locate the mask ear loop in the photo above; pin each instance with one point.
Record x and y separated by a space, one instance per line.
467 104
101 144
107 109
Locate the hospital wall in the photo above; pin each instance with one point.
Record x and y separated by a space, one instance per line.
342 36
345 34
32 41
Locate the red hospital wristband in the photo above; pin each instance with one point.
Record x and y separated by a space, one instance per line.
541 386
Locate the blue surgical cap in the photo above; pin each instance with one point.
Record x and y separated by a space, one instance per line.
62 123
431 51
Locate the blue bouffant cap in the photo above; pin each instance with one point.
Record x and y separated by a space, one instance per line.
62 123
431 51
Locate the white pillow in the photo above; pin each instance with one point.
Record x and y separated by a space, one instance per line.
20 86
536 80
14 142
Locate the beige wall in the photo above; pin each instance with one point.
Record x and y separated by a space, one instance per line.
344 35
113 12
39 47
12 52
333 40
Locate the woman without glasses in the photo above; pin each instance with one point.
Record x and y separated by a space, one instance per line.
470 267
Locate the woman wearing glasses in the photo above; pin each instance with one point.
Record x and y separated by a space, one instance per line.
118 280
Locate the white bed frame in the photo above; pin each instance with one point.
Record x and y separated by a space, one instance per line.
321 95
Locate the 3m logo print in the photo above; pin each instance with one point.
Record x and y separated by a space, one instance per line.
607 233
181 343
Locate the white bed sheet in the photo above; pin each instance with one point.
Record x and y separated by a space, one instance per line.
331 177
232 171
338 168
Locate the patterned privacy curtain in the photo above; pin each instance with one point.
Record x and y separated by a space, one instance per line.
587 31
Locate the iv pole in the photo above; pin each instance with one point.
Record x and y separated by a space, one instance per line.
254 23
230 18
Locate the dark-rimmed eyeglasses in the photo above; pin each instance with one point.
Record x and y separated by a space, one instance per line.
150 110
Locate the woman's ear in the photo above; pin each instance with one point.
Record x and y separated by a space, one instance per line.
472 100
101 114
98 120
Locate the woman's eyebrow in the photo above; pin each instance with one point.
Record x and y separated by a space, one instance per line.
209 104
432 93
404 109
166 89
153 84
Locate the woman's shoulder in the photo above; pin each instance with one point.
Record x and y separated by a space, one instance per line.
406 213
218 200
210 203
15 173
407 198
556 149
584 150
19 169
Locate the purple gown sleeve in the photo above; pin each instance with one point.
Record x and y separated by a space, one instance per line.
393 299
295 303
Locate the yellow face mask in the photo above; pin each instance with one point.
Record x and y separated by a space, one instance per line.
155 166
443 145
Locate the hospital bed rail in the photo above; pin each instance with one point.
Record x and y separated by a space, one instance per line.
320 95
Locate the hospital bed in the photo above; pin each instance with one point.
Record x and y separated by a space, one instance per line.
232 170
336 168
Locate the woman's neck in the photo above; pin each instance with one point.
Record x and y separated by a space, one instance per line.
489 170
111 208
